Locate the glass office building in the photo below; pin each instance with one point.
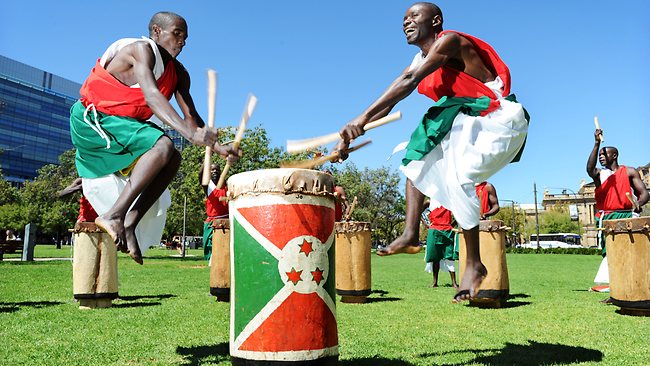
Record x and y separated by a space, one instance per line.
34 118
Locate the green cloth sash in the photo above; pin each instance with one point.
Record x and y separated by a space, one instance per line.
437 122
207 240
610 216
129 139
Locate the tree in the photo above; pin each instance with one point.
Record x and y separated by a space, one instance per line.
8 193
505 215
379 199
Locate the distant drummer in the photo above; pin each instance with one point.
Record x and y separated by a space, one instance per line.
487 194
620 192
215 207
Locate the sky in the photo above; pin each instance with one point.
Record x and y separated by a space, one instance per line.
316 65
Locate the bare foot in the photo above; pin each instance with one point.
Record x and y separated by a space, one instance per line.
403 244
470 283
433 285
455 285
115 229
132 244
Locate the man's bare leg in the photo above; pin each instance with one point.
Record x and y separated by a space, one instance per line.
436 270
475 271
408 242
145 171
453 280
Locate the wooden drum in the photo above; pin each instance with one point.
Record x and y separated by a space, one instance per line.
353 261
628 258
495 288
220 260
94 271
282 308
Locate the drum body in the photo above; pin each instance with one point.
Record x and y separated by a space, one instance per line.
94 272
353 273
628 258
220 260
495 288
282 303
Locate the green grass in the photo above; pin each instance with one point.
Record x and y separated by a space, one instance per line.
166 317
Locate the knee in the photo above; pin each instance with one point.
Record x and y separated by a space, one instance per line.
165 148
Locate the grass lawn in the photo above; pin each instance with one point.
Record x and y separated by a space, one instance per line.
165 316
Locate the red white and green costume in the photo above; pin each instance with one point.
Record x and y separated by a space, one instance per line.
110 131
440 240
611 204
473 130
215 209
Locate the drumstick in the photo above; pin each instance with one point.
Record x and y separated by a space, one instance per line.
296 146
600 137
248 111
212 99
635 204
309 164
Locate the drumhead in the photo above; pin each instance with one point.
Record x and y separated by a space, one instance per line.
281 181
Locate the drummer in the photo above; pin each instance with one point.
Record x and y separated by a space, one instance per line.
215 208
440 251
486 192
613 184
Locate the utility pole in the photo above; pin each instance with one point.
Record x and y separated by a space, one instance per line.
514 226
184 221
536 215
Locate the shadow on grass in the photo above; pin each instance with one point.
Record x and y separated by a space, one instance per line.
10 307
374 361
518 296
158 297
382 297
130 301
515 304
195 356
176 257
532 354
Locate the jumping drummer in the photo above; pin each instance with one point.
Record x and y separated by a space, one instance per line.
459 72
134 79
215 207
620 193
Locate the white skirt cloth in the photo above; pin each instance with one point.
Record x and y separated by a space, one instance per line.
103 192
474 149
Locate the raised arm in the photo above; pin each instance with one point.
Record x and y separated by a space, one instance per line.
593 157
444 48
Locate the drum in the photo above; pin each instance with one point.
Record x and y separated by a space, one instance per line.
94 271
495 288
353 261
220 260
282 268
628 258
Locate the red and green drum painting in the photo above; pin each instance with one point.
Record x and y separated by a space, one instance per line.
282 260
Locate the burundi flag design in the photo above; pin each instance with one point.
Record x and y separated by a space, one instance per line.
282 303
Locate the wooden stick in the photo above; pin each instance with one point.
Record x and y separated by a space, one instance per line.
295 146
248 111
212 100
310 164
350 209
600 137
635 204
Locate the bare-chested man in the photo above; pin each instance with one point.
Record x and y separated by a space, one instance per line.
134 79
471 87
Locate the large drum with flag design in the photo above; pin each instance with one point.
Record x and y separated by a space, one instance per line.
353 261
628 259
220 260
282 268
495 288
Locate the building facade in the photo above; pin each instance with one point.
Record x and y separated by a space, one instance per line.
34 118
